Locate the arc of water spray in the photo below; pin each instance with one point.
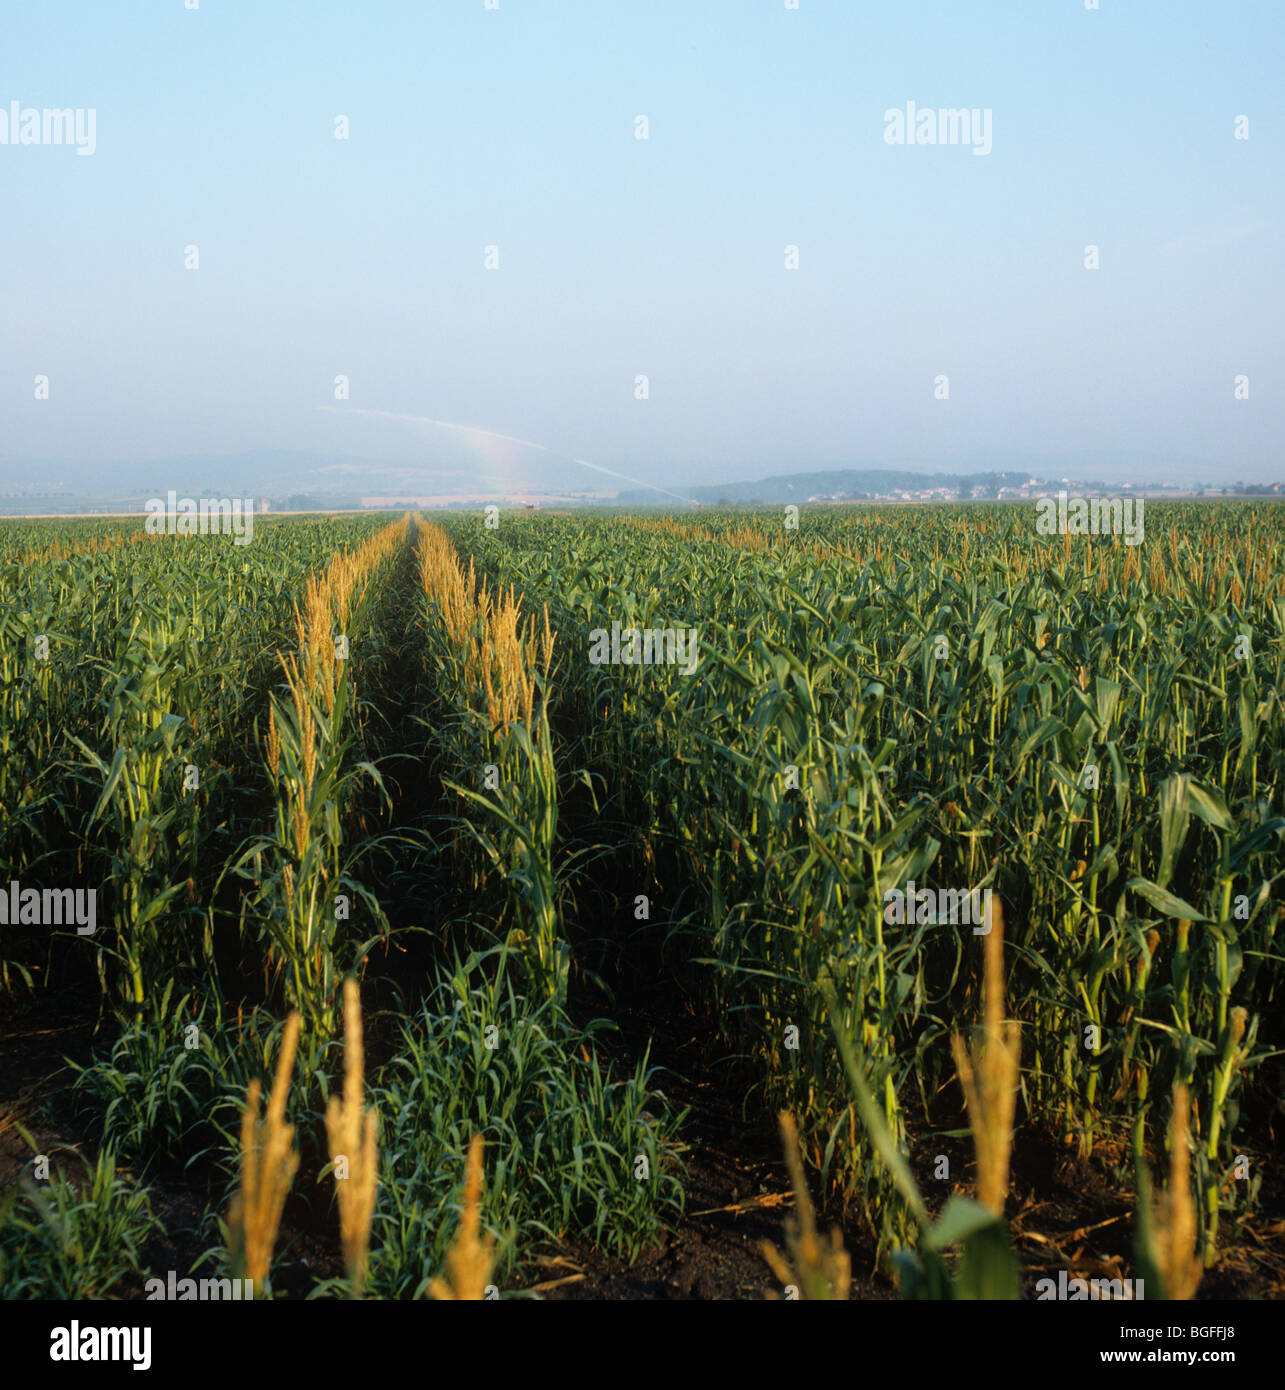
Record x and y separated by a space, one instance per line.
512 439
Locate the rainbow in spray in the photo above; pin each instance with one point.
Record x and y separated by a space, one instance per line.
496 449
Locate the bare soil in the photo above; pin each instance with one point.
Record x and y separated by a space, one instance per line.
1066 1214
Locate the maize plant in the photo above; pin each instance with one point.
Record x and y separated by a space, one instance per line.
494 675
953 699
129 667
304 888
873 716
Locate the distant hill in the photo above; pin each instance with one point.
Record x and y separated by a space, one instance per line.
839 483
445 476
292 480
258 472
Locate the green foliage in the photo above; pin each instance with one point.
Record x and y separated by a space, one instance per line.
155 1099
65 1241
887 695
882 695
987 1268
563 1138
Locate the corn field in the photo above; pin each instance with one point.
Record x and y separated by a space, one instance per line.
394 820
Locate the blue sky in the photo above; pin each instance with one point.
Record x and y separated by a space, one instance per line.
514 127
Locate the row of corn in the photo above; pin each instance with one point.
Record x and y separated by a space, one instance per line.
270 1161
307 906
127 674
952 699
491 668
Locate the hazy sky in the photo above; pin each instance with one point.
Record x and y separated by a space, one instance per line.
515 128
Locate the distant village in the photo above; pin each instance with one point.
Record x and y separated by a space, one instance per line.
1041 487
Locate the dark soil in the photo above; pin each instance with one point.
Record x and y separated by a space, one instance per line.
1065 1214
737 1189
36 1096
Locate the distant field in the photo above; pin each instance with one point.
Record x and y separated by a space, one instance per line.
430 754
